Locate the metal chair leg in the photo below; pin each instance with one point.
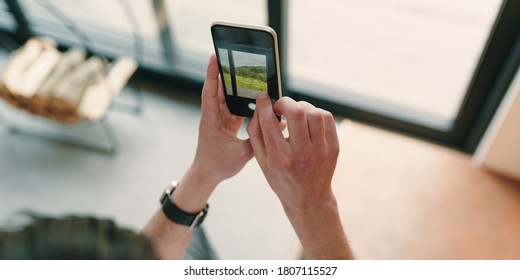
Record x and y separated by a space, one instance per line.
107 130
137 96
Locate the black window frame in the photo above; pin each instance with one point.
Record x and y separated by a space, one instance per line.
497 65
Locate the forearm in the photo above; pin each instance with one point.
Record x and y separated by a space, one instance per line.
169 239
320 231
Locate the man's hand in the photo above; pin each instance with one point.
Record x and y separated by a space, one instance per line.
220 155
299 169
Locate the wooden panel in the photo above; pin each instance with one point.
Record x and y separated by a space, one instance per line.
402 198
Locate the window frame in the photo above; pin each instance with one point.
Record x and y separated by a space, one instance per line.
496 67
499 61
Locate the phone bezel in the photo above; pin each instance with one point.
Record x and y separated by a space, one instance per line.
240 34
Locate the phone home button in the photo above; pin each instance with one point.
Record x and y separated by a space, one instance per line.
251 106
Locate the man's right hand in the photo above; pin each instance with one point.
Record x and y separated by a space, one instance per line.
299 169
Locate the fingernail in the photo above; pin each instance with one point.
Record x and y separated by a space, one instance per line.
262 95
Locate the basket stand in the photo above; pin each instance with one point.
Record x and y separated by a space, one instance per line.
108 145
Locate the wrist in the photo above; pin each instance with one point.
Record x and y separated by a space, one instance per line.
315 208
320 231
176 214
193 191
207 173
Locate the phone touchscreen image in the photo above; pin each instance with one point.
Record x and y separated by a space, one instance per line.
248 63
245 71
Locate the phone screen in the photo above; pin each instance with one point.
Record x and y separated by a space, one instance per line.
248 63
250 72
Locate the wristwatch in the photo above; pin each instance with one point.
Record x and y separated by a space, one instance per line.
175 214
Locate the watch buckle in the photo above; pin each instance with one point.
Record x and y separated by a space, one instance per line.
196 220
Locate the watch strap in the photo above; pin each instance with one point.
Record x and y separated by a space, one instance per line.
177 215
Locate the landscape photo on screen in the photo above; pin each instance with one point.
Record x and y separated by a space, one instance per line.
250 73
224 62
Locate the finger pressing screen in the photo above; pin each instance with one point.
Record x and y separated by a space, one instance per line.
273 137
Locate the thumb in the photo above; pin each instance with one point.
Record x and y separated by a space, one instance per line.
211 83
210 89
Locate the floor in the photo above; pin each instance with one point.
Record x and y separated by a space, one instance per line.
246 220
402 198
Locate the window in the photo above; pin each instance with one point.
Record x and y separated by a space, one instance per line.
7 20
434 69
408 59
175 34
190 21
108 27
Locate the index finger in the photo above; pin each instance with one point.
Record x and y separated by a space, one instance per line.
273 137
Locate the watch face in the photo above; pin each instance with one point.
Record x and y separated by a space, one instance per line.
166 194
168 191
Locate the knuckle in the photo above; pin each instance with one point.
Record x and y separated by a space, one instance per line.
316 115
334 149
285 99
297 113
327 116
306 104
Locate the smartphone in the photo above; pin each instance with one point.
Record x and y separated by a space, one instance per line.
249 64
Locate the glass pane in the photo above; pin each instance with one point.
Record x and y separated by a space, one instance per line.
405 58
191 20
108 25
7 21
176 34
